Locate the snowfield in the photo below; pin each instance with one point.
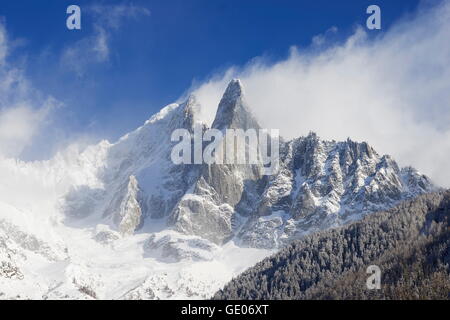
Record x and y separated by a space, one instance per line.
75 260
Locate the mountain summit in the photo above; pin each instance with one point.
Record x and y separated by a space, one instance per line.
233 111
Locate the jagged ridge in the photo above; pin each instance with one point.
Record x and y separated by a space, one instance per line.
320 184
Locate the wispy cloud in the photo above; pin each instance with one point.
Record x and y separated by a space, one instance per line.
321 39
85 52
19 124
3 44
23 110
112 16
95 48
392 90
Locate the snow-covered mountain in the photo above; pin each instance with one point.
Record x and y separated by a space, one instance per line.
123 221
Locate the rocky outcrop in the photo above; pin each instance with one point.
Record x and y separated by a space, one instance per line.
8 267
126 208
323 184
208 209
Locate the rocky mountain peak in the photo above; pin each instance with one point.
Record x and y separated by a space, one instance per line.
320 183
233 111
234 90
191 107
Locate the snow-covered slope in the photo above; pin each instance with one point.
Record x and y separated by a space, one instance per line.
123 221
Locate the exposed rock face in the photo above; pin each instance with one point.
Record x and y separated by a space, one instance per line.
148 158
323 184
129 213
209 208
136 178
8 268
174 249
26 241
319 184
233 111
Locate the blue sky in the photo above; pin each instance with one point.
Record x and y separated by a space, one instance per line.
154 56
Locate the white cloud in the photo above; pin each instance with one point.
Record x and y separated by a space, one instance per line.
112 16
95 48
392 91
18 125
3 44
320 39
85 52
23 110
